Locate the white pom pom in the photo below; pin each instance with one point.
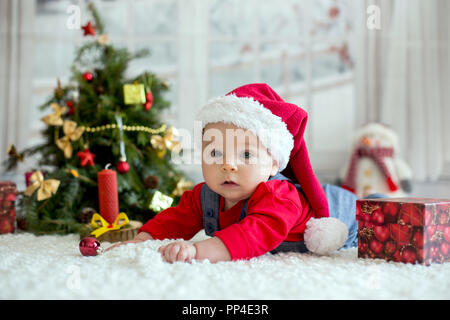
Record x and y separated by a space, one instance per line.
325 235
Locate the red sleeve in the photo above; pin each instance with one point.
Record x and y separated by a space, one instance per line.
182 221
273 210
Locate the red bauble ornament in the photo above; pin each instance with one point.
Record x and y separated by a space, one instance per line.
86 158
400 234
377 217
431 230
434 252
123 167
71 107
381 233
390 210
88 29
409 254
88 76
6 226
442 218
376 246
390 247
396 256
418 239
447 234
90 247
445 248
411 214
363 246
149 100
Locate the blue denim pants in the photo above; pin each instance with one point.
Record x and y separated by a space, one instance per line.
342 205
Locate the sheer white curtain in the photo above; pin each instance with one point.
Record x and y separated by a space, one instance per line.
371 57
402 77
416 84
15 72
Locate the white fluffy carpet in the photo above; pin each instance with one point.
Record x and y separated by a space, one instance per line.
51 267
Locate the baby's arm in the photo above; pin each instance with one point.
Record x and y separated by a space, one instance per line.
212 249
142 236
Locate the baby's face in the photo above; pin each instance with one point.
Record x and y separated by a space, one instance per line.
234 161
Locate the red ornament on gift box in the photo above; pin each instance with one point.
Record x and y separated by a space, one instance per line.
409 230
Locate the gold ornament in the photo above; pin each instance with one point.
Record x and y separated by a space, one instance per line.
103 39
59 92
166 142
133 93
12 152
46 188
55 119
160 202
74 173
72 133
182 186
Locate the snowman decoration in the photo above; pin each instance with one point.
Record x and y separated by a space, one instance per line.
374 166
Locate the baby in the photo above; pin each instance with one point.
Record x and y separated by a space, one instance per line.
245 204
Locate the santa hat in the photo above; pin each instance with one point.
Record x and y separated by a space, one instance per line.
258 108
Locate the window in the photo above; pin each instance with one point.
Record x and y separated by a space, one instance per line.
303 49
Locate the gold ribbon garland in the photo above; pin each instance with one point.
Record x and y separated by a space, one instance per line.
46 188
103 226
126 128
72 133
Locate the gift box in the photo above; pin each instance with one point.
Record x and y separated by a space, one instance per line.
8 194
410 230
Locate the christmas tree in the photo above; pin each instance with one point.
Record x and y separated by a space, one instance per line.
100 118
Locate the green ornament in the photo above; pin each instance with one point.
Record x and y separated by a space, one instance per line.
160 202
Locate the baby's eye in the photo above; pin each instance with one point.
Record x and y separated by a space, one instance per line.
247 154
215 153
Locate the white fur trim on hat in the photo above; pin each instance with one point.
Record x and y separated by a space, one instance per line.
247 113
325 235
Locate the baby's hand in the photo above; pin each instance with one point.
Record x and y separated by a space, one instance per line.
178 251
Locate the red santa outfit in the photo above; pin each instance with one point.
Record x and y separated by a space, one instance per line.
276 212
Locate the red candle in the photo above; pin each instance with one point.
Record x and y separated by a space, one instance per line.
107 195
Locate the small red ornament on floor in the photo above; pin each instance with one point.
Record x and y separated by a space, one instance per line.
86 158
90 246
88 29
123 166
88 76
